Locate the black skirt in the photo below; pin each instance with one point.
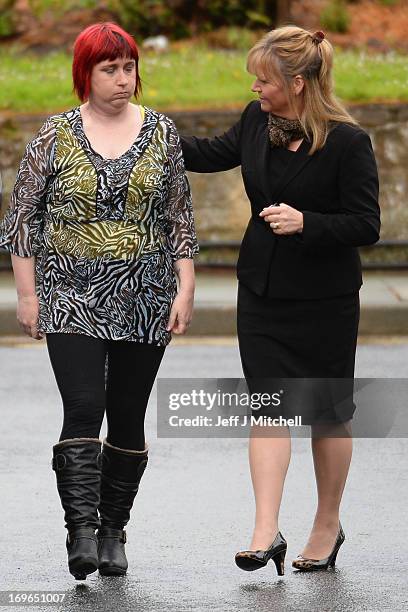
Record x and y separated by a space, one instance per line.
311 342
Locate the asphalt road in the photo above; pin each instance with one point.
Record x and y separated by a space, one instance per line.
195 508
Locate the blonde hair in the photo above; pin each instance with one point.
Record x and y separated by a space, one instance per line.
289 51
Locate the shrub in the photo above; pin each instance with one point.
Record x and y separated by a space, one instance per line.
180 18
335 16
56 7
7 23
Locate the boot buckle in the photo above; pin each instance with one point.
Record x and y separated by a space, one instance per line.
58 462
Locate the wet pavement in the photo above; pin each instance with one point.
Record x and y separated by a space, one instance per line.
195 507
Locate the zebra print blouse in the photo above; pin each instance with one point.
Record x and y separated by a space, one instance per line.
105 232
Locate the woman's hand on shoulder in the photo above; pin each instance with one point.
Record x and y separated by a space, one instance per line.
27 316
181 312
283 219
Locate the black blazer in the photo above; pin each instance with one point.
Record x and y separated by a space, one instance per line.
336 189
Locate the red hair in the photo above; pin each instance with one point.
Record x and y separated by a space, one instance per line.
99 42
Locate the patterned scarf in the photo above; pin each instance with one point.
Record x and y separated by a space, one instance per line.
282 131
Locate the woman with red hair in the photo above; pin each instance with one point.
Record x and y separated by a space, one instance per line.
100 228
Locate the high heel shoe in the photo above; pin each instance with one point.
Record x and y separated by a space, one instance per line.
250 560
305 564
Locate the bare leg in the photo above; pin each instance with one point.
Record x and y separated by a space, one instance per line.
331 458
269 460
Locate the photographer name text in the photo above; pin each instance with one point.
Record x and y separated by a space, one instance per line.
234 421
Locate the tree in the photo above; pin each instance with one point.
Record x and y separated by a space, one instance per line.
283 11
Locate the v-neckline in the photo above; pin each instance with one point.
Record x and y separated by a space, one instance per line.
80 124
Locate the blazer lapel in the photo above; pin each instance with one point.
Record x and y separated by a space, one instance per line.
263 162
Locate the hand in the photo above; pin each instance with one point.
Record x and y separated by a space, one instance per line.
27 316
181 312
283 219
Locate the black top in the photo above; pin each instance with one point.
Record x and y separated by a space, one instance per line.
282 158
336 188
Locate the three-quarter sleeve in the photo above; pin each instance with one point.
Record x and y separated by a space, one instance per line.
22 226
215 154
179 208
358 221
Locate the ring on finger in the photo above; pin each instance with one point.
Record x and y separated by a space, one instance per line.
275 225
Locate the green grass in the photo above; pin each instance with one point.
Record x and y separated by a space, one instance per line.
194 77
365 78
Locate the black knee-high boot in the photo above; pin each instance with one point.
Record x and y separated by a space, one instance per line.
76 463
122 470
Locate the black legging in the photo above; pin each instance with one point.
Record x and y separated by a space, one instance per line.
78 362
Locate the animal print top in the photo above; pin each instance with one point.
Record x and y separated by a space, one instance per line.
105 232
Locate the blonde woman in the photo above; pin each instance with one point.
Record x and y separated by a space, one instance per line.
311 177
